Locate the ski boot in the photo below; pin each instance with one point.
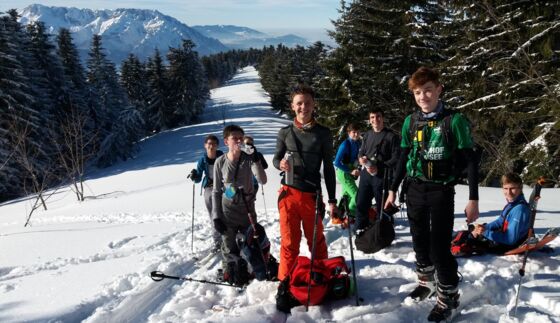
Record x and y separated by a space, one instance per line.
426 283
447 302
284 299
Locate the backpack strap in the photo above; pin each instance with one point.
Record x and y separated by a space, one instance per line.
417 123
298 145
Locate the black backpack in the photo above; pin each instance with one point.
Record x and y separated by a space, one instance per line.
379 236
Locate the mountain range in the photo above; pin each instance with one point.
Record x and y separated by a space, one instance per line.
140 31
123 31
237 37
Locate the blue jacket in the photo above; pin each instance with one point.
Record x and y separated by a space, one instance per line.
347 154
512 225
202 169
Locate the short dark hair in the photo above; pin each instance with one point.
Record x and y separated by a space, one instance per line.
352 127
512 178
302 89
213 138
422 76
249 138
232 128
376 110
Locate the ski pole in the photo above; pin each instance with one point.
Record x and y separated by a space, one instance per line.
192 220
159 276
531 240
344 201
313 244
264 201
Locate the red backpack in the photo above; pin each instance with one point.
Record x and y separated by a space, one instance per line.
330 280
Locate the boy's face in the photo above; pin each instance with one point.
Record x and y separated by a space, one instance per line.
303 106
511 191
211 146
427 96
376 121
354 134
233 140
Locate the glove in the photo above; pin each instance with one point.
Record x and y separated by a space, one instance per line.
255 155
193 175
220 226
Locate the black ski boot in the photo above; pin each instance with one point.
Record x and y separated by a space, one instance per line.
426 283
447 302
284 299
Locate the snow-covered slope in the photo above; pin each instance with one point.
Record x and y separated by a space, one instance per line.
123 31
243 38
91 261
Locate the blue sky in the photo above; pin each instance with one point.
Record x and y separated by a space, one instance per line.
305 18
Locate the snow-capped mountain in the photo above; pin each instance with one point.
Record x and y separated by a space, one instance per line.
243 38
123 31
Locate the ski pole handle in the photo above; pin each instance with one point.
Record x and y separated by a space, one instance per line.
159 276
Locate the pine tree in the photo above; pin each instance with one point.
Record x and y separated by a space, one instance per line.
159 108
75 140
189 84
23 157
380 44
133 80
504 72
110 109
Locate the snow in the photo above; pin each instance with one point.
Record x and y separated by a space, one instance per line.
90 261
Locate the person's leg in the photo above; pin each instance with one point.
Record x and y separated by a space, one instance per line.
363 200
377 187
290 231
216 237
307 209
419 220
442 205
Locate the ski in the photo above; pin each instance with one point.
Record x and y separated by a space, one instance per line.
550 235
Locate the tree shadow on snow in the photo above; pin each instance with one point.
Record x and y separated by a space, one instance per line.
186 144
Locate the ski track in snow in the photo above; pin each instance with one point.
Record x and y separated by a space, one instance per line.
140 221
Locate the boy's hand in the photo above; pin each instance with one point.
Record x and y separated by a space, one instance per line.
478 230
390 200
254 156
333 209
284 165
363 160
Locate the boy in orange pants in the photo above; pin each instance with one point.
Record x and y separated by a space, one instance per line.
311 145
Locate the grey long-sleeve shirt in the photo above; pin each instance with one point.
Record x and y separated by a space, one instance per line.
224 176
316 145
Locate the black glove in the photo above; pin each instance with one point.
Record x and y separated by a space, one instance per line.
220 226
194 175
255 155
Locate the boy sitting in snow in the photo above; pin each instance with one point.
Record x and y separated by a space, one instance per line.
507 231
233 201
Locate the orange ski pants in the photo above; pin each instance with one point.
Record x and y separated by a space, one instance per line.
297 210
